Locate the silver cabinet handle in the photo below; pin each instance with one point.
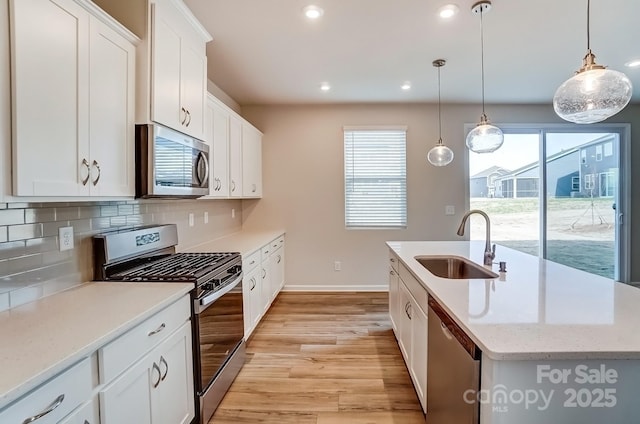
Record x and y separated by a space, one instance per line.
254 283
266 252
252 262
157 330
97 166
184 111
233 185
392 273
86 422
406 309
166 367
188 116
253 188
157 368
392 260
279 258
57 402
264 273
409 311
85 163
275 245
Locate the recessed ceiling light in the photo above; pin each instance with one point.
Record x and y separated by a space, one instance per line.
313 12
406 85
633 64
448 11
325 86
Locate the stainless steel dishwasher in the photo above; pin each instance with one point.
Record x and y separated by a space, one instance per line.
453 368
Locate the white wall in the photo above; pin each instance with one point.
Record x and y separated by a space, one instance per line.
304 193
5 101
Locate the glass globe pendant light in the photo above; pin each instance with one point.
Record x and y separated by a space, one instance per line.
594 93
440 155
484 138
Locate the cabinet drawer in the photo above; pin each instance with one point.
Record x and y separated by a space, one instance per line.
128 348
251 261
266 251
416 289
277 244
393 260
68 390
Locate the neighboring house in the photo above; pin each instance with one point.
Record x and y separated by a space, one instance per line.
599 167
583 171
563 178
482 184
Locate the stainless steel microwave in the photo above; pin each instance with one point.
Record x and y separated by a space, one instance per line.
170 164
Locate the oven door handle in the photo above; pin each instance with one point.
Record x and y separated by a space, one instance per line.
208 300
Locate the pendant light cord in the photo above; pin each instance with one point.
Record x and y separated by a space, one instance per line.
439 113
482 56
588 25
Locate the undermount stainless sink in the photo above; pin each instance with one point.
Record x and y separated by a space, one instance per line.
454 267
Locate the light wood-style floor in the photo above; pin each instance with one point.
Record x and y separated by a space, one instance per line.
323 359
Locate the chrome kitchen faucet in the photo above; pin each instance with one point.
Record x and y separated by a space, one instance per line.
489 252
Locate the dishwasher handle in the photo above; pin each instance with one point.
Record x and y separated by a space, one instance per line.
453 330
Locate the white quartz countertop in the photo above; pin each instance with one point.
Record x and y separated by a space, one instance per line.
536 310
245 242
40 339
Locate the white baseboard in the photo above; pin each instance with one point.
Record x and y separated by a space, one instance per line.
336 288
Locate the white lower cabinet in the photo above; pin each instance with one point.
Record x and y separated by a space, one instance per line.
158 389
53 401
263 280
407 310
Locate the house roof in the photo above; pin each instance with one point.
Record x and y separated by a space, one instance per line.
489 171
532 165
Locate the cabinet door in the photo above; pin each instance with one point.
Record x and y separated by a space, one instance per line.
251 301
265 288
193 86
251 162
235 157
111 106
394 288
172 396
218 129
128 398
418 354
404 324
165 79
276 272
50 110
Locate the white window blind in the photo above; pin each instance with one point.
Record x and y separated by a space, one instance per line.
375 177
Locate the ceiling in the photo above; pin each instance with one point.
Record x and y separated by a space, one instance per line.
268 52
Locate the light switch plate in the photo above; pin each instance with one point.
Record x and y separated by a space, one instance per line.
65 238
206 217
449 210
191 220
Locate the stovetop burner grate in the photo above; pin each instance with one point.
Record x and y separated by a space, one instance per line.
176 267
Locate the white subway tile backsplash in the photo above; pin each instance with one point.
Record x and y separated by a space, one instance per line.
31 265
4 301
25 231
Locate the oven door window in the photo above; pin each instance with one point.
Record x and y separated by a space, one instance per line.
220 331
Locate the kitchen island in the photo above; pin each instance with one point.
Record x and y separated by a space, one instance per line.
558 344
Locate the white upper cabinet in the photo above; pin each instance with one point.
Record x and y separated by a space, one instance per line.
235 157
251 161
179 69
72 100
217 135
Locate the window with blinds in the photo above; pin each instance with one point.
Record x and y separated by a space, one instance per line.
375 175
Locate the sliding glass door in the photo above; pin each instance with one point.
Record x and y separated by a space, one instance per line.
568 207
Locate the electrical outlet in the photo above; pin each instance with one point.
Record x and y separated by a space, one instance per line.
65 238
233 213
449 210
191 220
337 266
206 217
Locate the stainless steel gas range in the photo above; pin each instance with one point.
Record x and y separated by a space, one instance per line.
148 254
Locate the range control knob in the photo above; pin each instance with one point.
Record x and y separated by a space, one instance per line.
208 286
